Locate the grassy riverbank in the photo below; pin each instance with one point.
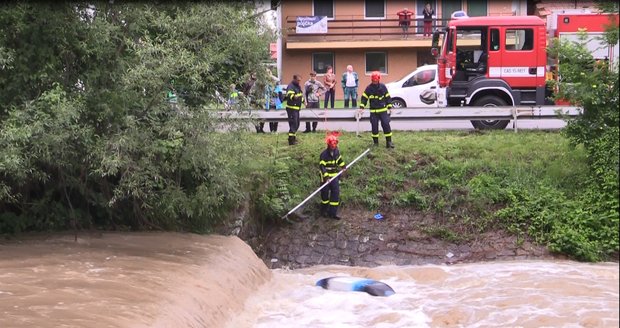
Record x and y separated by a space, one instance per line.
528 183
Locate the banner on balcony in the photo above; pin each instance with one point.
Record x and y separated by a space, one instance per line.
311 24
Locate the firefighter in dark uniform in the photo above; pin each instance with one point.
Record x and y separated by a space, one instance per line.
330 164
294 99
379 101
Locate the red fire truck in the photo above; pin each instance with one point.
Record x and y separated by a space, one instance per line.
493 61
569 24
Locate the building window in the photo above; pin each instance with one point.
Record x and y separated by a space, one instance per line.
375 9
376 61
320 61
323 8
425 58
520 40
448 7
477 8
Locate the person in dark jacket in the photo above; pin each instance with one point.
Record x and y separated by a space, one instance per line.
251 90
294 99
330 163
378 99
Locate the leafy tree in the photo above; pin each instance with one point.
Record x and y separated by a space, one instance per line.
592 85
87 134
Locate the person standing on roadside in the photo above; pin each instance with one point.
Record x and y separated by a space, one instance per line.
246 87
312 94
253 94
350 82
294 99
329 81
274 98
233 97
428 13
379 103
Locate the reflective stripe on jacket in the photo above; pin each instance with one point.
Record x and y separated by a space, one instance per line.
330 163
377 97
293 96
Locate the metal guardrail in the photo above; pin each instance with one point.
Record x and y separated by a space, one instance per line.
416 114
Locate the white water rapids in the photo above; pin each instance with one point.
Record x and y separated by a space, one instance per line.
185 280
499 294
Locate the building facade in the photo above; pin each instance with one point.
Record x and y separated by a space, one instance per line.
366 34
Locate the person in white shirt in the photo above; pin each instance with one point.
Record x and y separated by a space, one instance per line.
350 83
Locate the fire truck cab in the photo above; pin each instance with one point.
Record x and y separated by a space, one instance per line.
492 61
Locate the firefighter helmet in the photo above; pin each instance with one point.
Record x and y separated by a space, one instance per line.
332 140
375 76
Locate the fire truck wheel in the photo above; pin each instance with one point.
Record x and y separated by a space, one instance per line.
490 101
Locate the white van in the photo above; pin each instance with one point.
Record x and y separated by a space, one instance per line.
416 89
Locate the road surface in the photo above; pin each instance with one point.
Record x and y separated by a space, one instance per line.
364 126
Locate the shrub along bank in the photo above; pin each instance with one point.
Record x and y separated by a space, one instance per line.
531 184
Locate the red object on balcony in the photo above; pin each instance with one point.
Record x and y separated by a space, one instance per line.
273 50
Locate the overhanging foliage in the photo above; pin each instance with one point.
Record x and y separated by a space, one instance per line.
88 137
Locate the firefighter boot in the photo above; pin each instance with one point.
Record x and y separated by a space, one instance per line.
375 141
291 140
324 208
388 142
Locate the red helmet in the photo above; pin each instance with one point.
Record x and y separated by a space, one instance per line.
332 140
375 76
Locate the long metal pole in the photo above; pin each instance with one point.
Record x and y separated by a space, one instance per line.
326 183
358 116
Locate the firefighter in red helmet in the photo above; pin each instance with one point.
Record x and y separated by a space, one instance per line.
379 102
330 163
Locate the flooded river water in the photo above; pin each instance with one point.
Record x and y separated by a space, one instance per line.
185 280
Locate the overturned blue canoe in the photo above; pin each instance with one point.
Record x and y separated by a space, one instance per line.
355 284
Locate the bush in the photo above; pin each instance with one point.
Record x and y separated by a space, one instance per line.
87 136
594 87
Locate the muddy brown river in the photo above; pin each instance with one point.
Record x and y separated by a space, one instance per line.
187 280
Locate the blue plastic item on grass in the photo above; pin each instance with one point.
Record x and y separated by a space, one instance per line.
378 216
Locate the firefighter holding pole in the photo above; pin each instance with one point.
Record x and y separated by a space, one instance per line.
330 164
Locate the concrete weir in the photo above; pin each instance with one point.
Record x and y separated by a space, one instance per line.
126 280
